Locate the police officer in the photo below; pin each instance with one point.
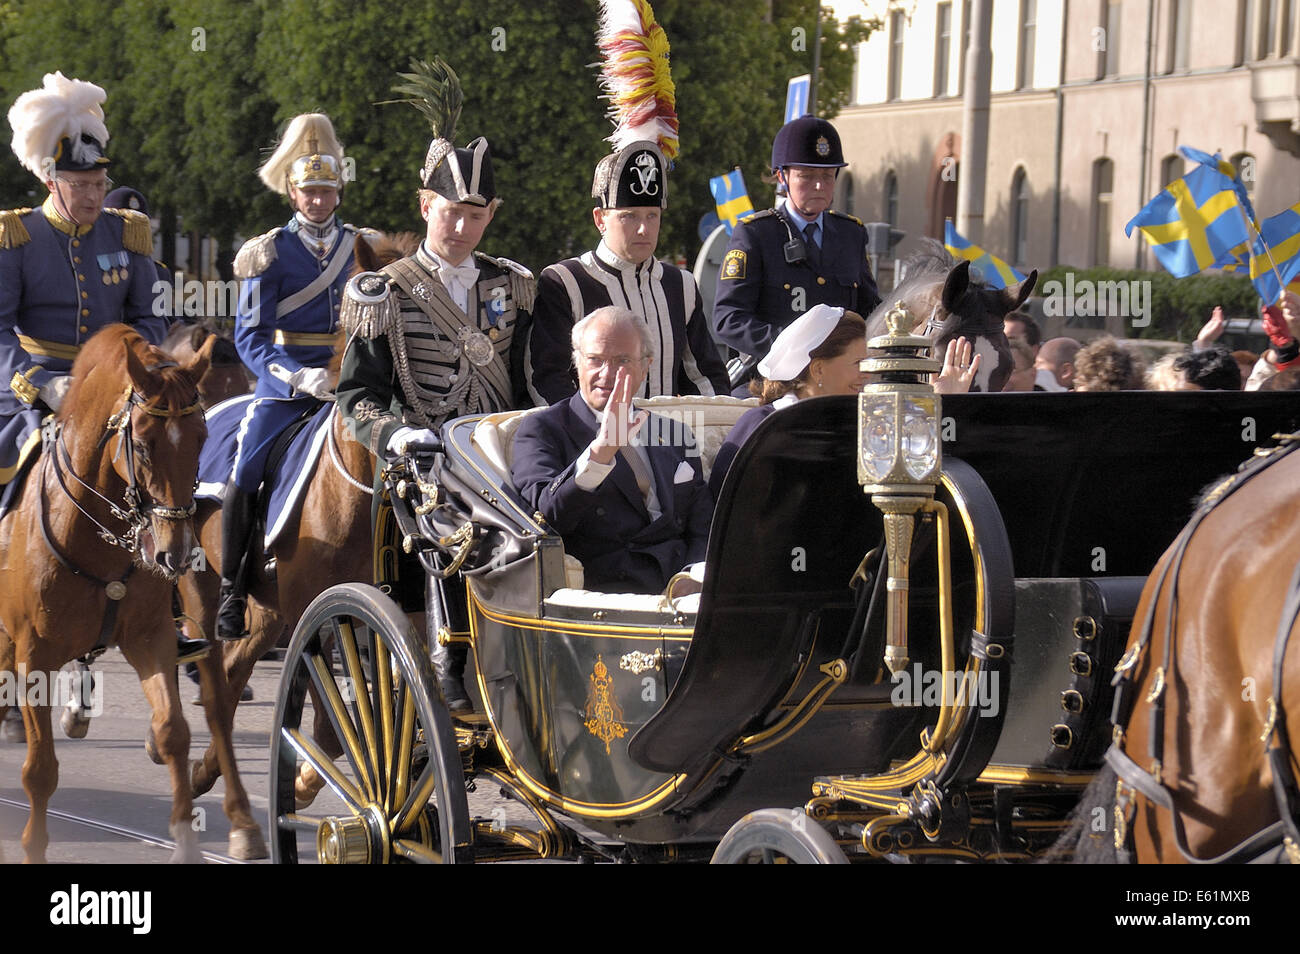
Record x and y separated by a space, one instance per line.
783 261
292 285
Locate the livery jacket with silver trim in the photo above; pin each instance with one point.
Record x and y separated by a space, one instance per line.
59 284
405 368
273 267
760 293
665 296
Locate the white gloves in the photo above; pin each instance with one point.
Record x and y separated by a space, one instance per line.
313 381
53 391
409 435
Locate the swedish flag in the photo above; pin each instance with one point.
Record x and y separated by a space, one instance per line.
994 272
1198 221
731 198
1278 244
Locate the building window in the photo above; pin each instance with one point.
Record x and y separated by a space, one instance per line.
1103 178
1171 169
1110 55
1246 41
1180 28
1020 217
895 54
891 198
1028 29
1288 24
845 185
1244 163
942 48
1268 37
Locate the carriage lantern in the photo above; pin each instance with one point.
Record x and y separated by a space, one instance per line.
898 454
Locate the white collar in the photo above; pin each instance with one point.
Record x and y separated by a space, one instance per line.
605 254
442 262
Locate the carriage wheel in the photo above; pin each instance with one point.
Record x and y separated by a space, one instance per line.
778 836
397 792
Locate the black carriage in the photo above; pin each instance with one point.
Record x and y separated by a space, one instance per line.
664 727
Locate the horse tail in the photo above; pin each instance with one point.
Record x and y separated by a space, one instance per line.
1089 836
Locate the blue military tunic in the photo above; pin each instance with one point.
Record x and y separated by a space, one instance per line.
282 329
759 292
59 284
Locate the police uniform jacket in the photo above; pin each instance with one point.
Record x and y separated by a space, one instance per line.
414 358
610 528
759 292
59 284
686 357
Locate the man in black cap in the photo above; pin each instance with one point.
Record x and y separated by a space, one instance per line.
433 336
783 261
630 190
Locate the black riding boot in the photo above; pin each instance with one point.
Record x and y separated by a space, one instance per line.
237 517
449 666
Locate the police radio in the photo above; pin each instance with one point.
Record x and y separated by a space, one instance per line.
796 252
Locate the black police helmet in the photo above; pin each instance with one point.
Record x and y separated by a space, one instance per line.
808 141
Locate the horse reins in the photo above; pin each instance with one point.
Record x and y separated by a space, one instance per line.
1132 776
133 512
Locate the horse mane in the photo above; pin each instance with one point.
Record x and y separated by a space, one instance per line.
925 269
99 376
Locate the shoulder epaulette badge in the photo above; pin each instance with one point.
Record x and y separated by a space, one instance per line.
256 255
13 233
845 215
523 286
137 236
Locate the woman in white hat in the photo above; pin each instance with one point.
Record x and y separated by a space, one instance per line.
817 355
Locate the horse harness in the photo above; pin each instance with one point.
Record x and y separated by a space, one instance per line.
1132 778
136 508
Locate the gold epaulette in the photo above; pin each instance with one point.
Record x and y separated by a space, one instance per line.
369 307
136 234
12 231
845 215
523 286
757 215
256 255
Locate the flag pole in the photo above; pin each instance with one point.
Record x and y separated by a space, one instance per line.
1281 287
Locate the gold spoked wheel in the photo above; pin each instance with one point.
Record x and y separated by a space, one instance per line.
359 709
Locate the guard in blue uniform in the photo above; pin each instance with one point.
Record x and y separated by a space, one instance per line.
68 268
783 261
292 285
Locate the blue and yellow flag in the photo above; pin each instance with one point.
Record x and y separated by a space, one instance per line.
731 198
994 272
1276 247
1198 221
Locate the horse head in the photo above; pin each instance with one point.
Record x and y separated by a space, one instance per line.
947 303
140 413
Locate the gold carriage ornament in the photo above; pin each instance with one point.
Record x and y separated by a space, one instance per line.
899 455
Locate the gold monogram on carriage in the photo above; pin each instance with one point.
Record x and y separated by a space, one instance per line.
604 714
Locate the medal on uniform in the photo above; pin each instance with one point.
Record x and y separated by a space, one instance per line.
477 347
116 276
107 280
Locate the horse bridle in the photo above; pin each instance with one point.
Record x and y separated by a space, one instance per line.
137 508
1131 777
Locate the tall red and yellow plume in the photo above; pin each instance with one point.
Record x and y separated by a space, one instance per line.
635 75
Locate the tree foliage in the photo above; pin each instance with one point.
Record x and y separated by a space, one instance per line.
199 89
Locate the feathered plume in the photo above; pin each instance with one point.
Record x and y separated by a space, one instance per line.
307 134
433 89
635 75
61 107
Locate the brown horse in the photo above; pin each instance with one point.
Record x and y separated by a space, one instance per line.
91 553
327 543
226 376
1207 666
946 303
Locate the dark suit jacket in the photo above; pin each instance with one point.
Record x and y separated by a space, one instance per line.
609 529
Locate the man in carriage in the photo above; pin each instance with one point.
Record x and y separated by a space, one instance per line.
292 287
433 336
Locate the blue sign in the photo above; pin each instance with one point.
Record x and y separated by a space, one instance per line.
796 96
